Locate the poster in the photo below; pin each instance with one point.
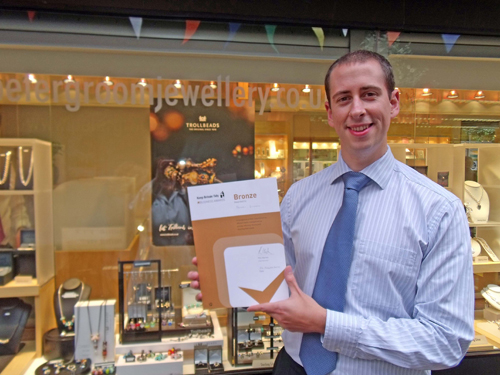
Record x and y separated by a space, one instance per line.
195 145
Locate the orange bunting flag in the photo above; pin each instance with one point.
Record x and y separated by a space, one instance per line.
392 36
31 15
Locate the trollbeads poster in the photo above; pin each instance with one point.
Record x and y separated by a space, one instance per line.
193 144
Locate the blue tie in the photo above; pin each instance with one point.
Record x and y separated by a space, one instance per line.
331 282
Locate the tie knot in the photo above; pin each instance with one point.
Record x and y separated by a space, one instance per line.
355 180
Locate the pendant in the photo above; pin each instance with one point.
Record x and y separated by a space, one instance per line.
478 206
104 349
95 340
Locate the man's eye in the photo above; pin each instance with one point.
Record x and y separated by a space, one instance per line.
371 93
342 99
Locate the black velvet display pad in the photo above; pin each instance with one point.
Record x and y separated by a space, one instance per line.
64 368
14 314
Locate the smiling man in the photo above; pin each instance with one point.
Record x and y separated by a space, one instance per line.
380 268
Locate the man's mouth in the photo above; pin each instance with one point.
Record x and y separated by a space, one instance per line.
360 128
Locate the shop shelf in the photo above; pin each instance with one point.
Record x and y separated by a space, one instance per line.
486 267
485 225
13 289
17 192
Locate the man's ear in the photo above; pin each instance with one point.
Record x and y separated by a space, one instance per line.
394 101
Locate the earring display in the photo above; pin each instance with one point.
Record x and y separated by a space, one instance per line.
252 339
476 202
140 312
94 330
25 162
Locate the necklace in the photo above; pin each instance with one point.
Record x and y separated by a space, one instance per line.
6 167
94 337
24 181
68 324
478 201
104 342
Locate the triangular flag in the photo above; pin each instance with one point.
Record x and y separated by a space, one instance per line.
136 25
320 35
31 15
449 40
392 36
233 28
344 31
270 29
191 27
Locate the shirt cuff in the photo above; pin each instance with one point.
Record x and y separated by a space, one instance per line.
342 333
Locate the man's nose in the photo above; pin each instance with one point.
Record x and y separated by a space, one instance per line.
357 108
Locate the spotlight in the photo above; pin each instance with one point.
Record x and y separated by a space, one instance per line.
107 81
452 95
479 95
426 92
142 82
69 79
177 84
32 78
276 87
306 89
213 85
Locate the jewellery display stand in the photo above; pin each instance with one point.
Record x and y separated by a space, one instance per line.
95 330
139 319
252 339
37 195
14 314
66 297
160 363
477 202
64 368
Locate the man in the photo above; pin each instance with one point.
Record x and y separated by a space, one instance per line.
409 298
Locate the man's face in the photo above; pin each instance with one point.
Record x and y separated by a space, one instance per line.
360 110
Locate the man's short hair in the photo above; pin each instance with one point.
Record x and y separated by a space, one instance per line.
362 56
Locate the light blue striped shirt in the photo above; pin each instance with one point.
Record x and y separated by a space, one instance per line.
410 295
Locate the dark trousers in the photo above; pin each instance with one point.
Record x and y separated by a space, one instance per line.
285 365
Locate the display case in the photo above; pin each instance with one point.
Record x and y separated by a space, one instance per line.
312 157
253 338
271 159
26 184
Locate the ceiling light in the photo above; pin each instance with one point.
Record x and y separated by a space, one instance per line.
32 78
107 81
452 95
69 79
142 82
276 87
479 95
177 84
140 228
213 85
306 89
426 92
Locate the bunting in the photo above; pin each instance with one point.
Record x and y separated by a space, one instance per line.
344 31
320 35
31 15
392 36
233 28
136 25
191 27
449 40
270 29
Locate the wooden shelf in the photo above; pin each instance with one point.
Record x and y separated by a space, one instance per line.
21 361
270 158
13 289
17 192
485 225
490 330
486 267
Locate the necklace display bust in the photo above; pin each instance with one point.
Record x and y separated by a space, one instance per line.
477 202
13 317
66 297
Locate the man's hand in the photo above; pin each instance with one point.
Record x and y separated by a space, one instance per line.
195 279
299 313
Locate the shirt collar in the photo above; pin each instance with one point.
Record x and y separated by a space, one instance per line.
379 171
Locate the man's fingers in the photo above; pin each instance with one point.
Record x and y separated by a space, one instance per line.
264 307
199 297
290 280
195 284
195 261
193 275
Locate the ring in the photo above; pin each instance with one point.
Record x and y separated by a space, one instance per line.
216 364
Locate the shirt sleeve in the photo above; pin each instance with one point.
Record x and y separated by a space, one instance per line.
442 324
285 211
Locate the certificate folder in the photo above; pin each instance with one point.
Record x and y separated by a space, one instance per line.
238 242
